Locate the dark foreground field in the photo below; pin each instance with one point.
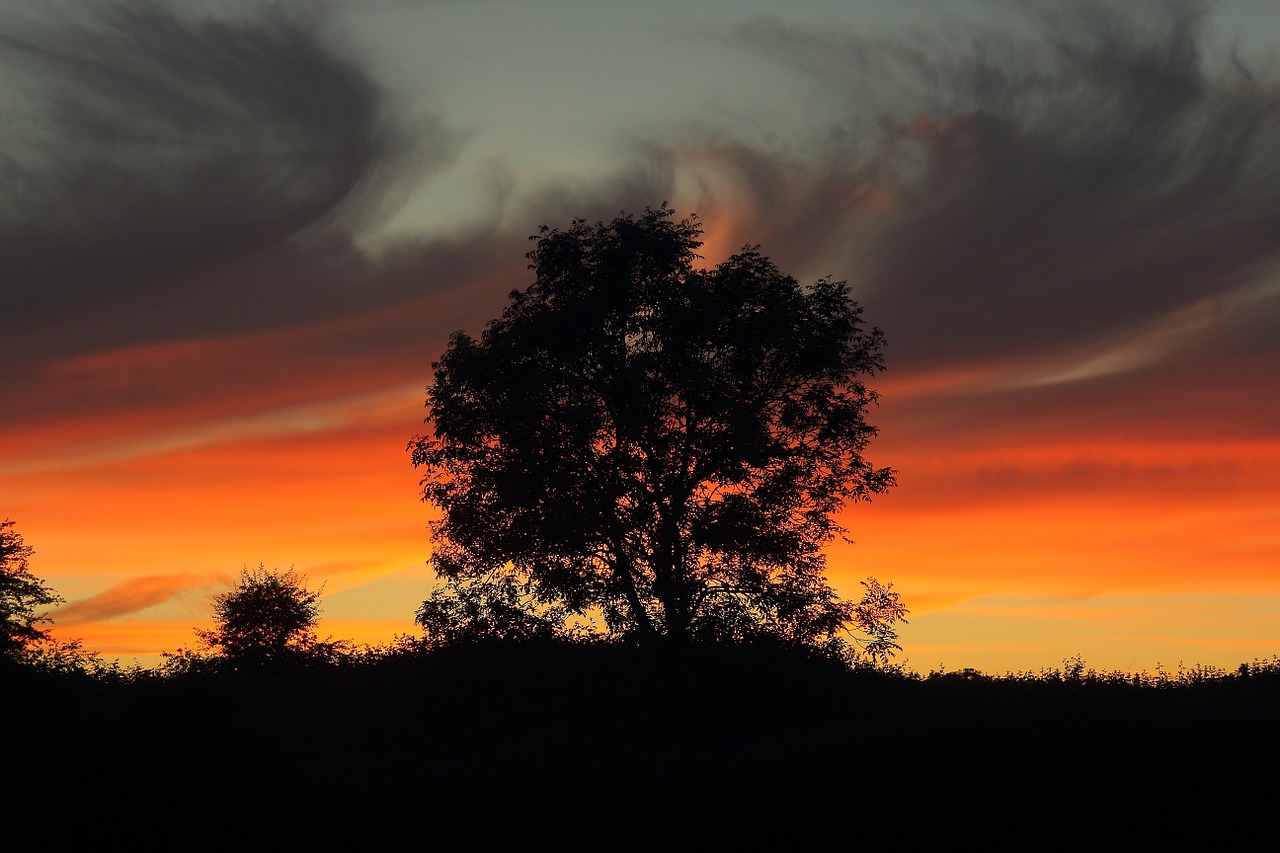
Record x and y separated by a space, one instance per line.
603 748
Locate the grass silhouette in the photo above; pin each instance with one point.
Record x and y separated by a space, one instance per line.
599 746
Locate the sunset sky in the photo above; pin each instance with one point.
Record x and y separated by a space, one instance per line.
231 247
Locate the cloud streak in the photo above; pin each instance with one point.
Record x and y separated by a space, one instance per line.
134 595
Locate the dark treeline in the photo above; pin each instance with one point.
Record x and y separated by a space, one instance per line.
491 745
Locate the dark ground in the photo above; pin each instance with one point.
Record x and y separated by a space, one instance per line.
512 747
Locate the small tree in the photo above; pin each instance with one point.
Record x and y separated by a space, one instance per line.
22 595
665 445
269 616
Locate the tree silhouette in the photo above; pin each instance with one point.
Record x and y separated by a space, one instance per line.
269 616
662 444
22 595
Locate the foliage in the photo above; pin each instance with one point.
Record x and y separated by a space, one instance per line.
22 595
268 617
487 609
659 444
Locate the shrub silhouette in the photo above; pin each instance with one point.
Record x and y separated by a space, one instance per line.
269 617
661 445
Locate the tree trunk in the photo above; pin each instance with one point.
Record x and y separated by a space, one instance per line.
622 570
670 586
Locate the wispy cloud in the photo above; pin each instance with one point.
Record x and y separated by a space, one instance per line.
1092 170
133 595
144 145
367 411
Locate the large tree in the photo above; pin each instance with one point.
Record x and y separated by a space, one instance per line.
665 444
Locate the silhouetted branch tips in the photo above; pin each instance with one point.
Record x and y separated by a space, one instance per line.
22 599
876 614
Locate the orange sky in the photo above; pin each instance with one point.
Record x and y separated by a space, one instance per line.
226 273
1011 557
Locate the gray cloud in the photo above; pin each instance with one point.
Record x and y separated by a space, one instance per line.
1055 191
1054 186
146 145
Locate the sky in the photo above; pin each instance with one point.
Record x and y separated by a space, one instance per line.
232 244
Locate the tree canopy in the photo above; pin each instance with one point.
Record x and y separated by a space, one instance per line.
22 597
663 444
